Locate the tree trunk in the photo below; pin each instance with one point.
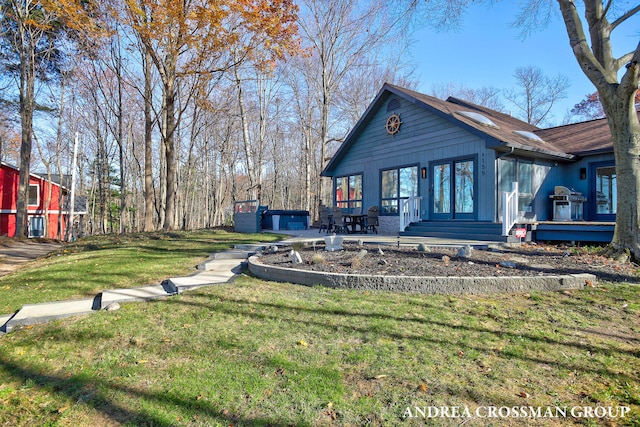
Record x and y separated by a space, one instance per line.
121 148
169 153
27 106
245 133
148 146
625 130
617 98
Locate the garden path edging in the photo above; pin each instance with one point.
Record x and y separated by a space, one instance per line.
420 284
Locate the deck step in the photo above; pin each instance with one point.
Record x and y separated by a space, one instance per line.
470 230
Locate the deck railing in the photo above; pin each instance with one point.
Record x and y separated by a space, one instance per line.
509 209
409 211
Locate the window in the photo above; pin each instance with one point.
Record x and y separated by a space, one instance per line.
397 184
520 171
348 191
34 195
478 118
606 190
36 226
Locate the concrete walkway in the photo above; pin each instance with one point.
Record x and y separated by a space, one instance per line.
221 267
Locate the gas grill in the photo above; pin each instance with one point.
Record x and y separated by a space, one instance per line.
567 204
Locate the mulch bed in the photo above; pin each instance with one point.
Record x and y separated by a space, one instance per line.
499 260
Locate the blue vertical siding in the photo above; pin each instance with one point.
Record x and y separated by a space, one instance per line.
424 137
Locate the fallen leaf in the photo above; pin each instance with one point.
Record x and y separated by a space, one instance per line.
460 353
423 388
524 394
61 410
379 377
303 343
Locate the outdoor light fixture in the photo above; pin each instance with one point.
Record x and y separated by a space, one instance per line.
423 172
583 173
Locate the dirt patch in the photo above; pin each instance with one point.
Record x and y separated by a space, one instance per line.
524 260
15 253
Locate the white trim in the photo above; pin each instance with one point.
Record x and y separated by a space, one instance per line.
44 226
33 175
38 212
37 203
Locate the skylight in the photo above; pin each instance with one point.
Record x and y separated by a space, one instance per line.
529 135
478 118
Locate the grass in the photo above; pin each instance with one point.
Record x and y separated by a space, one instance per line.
257 353
89 266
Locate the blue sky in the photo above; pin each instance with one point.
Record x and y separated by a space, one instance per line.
485 51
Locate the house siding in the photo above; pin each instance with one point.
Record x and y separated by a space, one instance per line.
424 137
434 133
9 181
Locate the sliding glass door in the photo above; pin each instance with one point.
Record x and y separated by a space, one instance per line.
453 189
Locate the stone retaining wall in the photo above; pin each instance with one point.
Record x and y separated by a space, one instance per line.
426 285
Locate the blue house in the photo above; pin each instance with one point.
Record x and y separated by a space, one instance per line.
447 169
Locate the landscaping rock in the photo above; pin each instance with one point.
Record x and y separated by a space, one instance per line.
333 243
465 251
508 264
295 257
112 307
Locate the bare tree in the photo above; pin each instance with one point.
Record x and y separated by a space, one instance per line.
616 79
486 96
343 37
536 94
617 97
28 47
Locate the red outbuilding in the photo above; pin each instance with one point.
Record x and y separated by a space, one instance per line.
44 204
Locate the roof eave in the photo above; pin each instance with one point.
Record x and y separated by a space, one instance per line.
539 152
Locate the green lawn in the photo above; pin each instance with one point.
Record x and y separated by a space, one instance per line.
270 354
89 266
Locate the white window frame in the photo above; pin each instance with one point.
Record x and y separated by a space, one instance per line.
37 186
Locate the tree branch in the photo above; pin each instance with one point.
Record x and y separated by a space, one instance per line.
624 17
578 41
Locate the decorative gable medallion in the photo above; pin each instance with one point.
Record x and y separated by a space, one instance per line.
393 124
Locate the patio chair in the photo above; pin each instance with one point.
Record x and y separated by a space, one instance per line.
338 221
325 219
372 219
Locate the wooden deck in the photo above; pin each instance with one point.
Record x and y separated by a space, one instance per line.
558 231
573 231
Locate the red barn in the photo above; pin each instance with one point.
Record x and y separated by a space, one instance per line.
40 192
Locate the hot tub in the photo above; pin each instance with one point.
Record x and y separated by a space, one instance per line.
274 219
